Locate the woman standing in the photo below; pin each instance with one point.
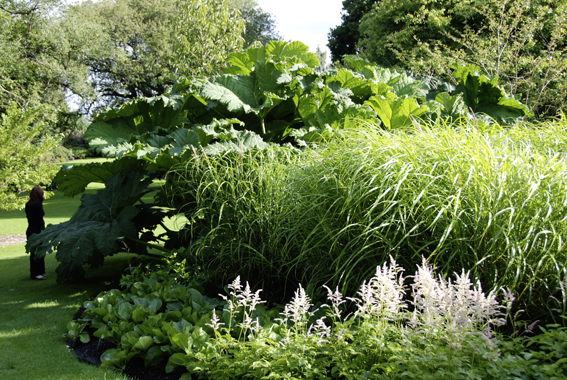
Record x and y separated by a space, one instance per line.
35 213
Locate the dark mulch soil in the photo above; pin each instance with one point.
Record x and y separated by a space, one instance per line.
91 352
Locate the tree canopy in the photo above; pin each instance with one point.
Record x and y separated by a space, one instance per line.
107 52
521 41
343 39
31 69
23 162
142 46
260 25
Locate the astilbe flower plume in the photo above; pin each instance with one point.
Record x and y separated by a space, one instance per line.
454 308
383 295
215 321
245 299
337 300
298 311
459 307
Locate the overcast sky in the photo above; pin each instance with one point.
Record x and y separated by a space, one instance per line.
308 21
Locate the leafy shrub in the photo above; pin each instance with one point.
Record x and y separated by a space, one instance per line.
520 41
80 152
62 153
24 163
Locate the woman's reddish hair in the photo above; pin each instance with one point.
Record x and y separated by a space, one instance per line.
36 195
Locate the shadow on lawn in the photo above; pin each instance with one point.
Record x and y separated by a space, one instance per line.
34 316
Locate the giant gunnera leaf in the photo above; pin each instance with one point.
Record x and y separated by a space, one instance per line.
135 118
483 96
104 222
74 180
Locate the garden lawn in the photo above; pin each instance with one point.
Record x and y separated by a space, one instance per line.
34 314
58 209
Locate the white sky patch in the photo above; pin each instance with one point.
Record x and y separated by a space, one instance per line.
308 21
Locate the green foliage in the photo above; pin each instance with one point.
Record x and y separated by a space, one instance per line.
125 46
207 31
280 217
270 94
24 163
548 351
100 227
32 73
522 42
343 38
276 93
447 334
399 113
260 25
483 96
107 52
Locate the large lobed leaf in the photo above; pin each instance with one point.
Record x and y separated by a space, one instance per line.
102 222
135 118
483 96
74 180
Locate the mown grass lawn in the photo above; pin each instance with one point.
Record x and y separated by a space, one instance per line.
34 314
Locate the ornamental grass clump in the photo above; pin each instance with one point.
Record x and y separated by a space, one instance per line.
493 203
489 200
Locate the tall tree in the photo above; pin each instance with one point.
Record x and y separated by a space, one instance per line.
129 49
207 31
260 25
140 47
343 39
28 73
35 72
107 52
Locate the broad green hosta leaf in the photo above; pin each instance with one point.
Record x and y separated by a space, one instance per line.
396 113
